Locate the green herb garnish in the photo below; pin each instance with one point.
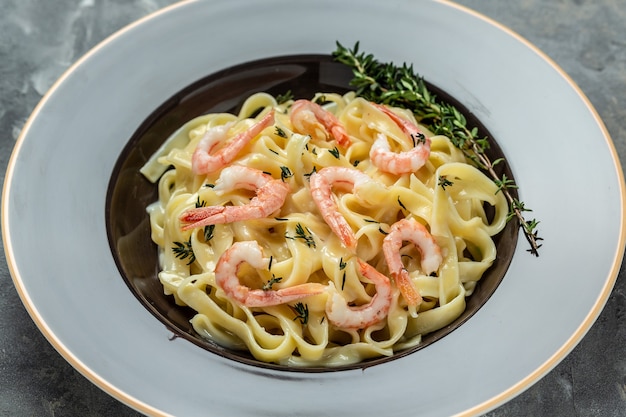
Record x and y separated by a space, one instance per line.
285 173
283 98
302 313
184 250
444 182
208 232
401 86
304 234
280 132
268 285
335 152
308 175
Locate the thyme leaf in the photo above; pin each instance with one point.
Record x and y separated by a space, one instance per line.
302 313
280 132
285 173
504 183
208 232
184 250
283 98
342 264
401 86
308 175
342 267
304 234
335 152
444 182
268 285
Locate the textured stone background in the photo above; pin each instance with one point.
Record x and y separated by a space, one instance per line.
39 39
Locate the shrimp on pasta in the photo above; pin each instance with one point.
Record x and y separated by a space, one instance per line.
270 196
319 232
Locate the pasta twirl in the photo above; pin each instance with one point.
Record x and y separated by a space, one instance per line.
305 241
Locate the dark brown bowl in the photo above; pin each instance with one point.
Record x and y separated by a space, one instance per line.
129 193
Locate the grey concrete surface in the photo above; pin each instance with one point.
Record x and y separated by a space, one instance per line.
39 39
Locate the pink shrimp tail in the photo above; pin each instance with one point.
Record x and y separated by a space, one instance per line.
405 285
340 135
261 298
201 216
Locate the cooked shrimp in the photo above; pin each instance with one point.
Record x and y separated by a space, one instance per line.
321 191
270 196
307 116
402 162
250 252
203 161
346 317
413 231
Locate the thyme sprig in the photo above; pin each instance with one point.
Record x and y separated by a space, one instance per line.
285 173
335 152
401 86
270 283
184 250
208 232
283 98
304 234
302 313
342 267
444 182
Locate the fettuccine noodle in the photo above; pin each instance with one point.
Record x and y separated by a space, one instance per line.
317 302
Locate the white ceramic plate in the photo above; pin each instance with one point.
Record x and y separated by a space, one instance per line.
53 219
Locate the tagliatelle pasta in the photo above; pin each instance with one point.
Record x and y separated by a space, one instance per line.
291 233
